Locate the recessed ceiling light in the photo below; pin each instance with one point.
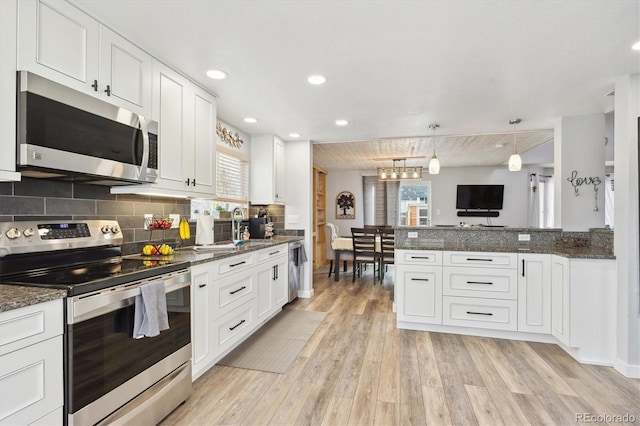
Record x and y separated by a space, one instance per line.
294 135
317 79
341 122
499 145
636 46
250 120
217 74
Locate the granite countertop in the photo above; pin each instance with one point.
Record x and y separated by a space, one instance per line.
188 254
570 252
17 296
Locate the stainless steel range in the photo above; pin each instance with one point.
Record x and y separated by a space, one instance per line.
110 377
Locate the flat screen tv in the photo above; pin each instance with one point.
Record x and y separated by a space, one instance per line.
479 197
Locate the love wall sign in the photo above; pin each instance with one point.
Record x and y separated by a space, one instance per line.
576 181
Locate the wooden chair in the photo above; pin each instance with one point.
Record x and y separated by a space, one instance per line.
387 249
364 249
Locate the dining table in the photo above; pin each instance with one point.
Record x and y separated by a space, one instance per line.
344 245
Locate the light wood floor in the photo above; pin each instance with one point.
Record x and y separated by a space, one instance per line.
358 368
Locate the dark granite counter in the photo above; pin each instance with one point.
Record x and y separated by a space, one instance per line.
188 254
17 296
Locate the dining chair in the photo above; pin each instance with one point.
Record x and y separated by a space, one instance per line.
364 249
387 249
331 233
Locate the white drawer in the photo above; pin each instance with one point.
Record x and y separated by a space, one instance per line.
480 282
480 313
233 327
235 263
273 252
418 257
480 259
231 292
31 324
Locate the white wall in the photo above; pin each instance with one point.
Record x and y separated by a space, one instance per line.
299 202
443 186
579 146
627 111
338 181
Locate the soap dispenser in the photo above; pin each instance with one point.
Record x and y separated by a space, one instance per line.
246 235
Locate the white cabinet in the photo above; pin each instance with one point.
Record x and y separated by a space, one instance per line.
418 286
268 172
186 118
58 41
272 279
584 307
8 68
203 350
31 370
534 293
560 308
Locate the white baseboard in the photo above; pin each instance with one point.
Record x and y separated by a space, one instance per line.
627 370
305 294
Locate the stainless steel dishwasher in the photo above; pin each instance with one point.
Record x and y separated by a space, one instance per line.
297 257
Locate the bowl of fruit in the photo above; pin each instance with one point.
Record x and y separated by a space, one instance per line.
157 249
155 223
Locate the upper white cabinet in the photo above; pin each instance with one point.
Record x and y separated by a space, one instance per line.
268 172
186 117
8 58
58 41
534 293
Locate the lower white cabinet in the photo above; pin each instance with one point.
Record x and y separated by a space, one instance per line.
419 294
272 273
231 298
203 350
534 293
31 369
560 309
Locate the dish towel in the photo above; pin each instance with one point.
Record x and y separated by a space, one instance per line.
150 311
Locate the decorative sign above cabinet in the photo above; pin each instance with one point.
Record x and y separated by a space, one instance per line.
228 137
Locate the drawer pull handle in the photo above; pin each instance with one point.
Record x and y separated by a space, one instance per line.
237 325
274 252
237 264
240 289
419 279
202 285
479 260
421 257
479 313
479 282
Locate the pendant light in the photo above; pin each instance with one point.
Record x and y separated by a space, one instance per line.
515 162
434 163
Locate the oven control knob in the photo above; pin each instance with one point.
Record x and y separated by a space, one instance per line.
115 229
105 229
13 233
28 232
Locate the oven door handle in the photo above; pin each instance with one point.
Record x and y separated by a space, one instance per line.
87 306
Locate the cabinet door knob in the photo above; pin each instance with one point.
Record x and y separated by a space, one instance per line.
188 181
108 91
95 85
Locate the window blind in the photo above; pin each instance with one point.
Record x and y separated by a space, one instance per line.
232 178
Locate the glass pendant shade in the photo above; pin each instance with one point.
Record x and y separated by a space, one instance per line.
515 163
434 166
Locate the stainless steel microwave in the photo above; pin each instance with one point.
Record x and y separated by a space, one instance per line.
65 134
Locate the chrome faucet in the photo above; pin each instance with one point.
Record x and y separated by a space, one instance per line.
236 224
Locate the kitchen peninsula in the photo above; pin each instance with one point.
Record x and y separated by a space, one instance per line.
530 284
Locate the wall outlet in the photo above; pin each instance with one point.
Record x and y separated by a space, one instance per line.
147 220
412 235
524 237
176 220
